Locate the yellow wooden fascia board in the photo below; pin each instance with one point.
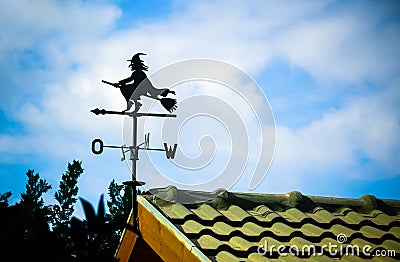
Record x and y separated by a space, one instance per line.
126 243
163 237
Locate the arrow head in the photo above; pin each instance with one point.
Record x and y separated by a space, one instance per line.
95 111
98 111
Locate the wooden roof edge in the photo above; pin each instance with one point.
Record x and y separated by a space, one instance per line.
154 226
126 242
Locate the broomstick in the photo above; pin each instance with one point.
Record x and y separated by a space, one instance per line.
168 103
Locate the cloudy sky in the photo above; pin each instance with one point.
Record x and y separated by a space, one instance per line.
329 69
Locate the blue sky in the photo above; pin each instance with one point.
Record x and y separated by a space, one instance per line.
330 70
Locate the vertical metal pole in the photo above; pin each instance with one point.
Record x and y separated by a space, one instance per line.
135 158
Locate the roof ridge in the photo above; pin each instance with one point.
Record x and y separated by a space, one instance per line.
221 199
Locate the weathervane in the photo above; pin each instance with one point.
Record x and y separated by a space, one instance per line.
132 88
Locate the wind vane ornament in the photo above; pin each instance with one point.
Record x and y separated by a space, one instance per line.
137 85
133 88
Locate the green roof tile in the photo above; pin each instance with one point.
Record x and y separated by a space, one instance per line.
221 228
380 218
351 258
293 215
338 229
280 229
299 242
372 232
322 216
240 244
177 211
206 212
192 227
319 258
290 258
350 216
255 257
208 242
264 214
252 229
391 245
225 256
383 259
395 231
312 230
236 213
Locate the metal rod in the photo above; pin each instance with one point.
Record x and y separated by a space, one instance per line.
152 149
150 114
135 149
134 159
97 111
117 146
123 147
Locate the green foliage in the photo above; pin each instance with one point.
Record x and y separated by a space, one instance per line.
35 188
25 226
66 194
4 199
119 204
48 233
93 236
35 213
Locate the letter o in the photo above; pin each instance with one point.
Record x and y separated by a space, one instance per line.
97 152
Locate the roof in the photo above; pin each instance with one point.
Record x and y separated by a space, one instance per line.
266 227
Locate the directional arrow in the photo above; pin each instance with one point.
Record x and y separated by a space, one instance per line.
103 112
132 114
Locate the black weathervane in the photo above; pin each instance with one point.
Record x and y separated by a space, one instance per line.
137 85
132 88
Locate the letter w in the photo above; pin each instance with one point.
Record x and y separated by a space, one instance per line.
169 151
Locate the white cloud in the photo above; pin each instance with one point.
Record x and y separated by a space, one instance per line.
355 42
367 127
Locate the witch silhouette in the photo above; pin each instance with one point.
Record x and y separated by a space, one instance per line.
137 85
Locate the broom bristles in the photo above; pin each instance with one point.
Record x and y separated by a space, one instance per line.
169 104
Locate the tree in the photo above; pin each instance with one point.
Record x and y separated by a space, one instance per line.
32 205
26 225
66 194
119 204
32 199
48 233
4 199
